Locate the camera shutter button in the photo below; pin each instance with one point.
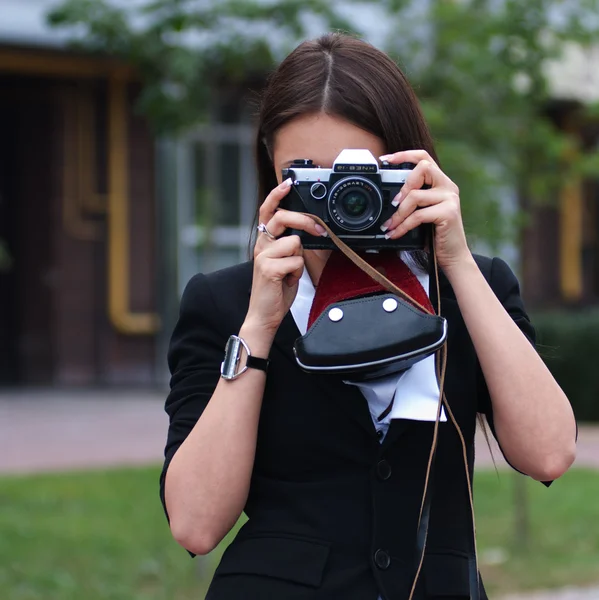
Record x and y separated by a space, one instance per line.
318 190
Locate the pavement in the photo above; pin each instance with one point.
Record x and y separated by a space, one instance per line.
591 593
57 430
44 430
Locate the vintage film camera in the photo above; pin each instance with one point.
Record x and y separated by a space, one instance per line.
353 199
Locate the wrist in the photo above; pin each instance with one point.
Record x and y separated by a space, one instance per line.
460 269
258 338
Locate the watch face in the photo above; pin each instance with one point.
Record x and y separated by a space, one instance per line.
228 368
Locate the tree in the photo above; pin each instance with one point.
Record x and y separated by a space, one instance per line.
183 49
480 70
479 67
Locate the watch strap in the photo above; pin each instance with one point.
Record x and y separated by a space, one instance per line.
253 362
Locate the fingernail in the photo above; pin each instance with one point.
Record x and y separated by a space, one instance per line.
321 230
388 234
386 225
287 183
398 198
385 157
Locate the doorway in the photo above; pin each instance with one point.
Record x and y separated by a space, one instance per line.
28 129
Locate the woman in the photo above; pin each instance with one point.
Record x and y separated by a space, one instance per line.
333 500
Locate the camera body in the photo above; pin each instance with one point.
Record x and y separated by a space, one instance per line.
353 198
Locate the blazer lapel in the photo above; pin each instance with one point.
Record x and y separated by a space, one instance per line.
348 397
396 429
286 336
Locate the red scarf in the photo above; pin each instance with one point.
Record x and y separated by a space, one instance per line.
342 280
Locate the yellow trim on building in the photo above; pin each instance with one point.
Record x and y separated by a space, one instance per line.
50 64
571 222
571 215
90 200
121 316
75 172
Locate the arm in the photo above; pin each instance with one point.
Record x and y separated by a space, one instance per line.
212 435
533 419
207 480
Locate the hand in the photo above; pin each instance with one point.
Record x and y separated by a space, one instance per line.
278 263
439 205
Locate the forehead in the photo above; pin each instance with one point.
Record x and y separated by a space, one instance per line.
320 137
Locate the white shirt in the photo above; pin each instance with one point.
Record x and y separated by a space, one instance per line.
416 390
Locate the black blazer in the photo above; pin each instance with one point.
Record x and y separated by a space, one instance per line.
332 511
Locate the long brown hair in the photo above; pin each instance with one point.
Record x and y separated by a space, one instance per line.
346 77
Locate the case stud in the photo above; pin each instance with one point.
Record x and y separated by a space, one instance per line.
335 314
389 305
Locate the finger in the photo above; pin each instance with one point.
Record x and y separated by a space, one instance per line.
415 219
427 174
270 204
437 214
411 156
281 268
286 219
294 277
286 246
415 199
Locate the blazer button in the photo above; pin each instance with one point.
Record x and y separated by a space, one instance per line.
383 470
382 559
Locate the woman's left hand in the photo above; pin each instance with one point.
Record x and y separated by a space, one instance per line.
439 205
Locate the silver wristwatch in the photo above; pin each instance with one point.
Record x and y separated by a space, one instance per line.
229 368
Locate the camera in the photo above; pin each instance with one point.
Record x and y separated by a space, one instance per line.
353 199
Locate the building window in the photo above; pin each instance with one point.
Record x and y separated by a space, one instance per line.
216 197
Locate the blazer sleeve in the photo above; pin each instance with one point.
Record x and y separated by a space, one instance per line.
195 352
507 289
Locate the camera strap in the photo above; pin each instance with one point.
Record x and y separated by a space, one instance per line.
440 367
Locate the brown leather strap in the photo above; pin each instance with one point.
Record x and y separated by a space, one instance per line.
474 579
474 593
442 352
440 368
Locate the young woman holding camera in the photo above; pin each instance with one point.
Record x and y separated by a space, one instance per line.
334 496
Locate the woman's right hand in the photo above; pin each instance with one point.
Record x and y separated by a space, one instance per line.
278 264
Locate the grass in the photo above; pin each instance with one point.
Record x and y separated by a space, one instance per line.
102 536
563 546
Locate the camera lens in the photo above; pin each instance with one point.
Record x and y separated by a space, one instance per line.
355 203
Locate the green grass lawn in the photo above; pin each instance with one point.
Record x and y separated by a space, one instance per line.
102 535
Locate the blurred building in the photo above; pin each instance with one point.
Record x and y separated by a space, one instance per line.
77 213
105 225
560 247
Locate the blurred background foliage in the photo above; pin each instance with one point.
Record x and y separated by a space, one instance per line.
569 345
478 66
